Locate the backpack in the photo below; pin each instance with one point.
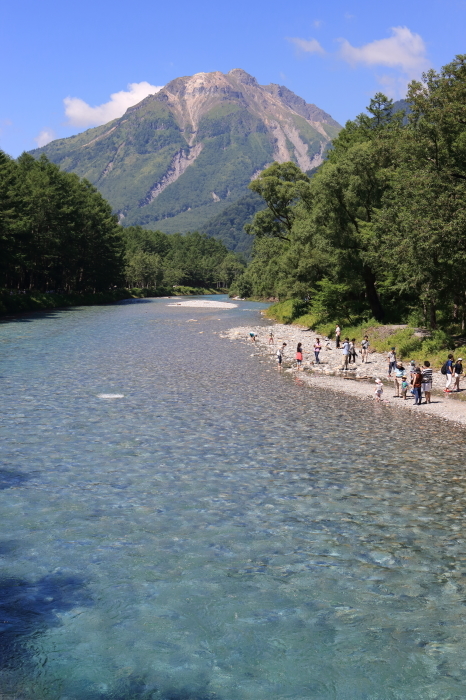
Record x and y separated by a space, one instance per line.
444 368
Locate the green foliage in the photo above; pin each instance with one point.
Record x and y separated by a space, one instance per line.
228 226
285 311
58 234
193 260
379 230
56 231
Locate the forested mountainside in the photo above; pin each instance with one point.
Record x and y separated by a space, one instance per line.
178 159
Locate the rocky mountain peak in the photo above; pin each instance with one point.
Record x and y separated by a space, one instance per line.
180 157
242 77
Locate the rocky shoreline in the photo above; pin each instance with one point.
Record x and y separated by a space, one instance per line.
328 374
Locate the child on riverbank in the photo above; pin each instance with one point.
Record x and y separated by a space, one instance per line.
378 391
317 349
404 387
299 356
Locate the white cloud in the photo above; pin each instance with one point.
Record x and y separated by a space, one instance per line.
307 45
79 113
4 124
317 23
394 86
403 50
45 136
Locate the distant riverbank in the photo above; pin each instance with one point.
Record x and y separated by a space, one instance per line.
13 303
328 373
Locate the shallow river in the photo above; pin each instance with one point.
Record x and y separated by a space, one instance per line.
218 531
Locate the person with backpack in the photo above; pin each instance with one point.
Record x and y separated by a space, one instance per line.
417 386
353 351
457 372
447 370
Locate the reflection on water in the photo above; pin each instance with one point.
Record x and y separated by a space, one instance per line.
217 531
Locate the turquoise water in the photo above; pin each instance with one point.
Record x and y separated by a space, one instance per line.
219 531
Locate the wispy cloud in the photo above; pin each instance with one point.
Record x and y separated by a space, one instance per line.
403 50
307 45
4 124
317 23
80 113
45 136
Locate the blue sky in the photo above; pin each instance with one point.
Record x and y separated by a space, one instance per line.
61 62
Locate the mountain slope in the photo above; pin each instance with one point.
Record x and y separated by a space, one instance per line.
180 157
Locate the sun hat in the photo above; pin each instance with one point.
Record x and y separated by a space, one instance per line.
460 359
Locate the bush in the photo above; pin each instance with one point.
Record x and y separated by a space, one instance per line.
287 311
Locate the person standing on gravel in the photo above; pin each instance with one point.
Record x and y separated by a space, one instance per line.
346 351
378 391
337 336
404 387
317 349
391 361
427 380
299 356
412 367
457 372
417 386
399 374
448 372
280 353
364 349
271 339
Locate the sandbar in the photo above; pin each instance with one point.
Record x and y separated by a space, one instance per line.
205 304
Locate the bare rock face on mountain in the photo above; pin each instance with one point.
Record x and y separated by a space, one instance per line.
177 159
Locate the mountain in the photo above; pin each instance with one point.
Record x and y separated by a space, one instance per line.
180 157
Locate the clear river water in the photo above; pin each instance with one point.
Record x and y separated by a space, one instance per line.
218 531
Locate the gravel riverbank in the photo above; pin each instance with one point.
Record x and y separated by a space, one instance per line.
357 381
